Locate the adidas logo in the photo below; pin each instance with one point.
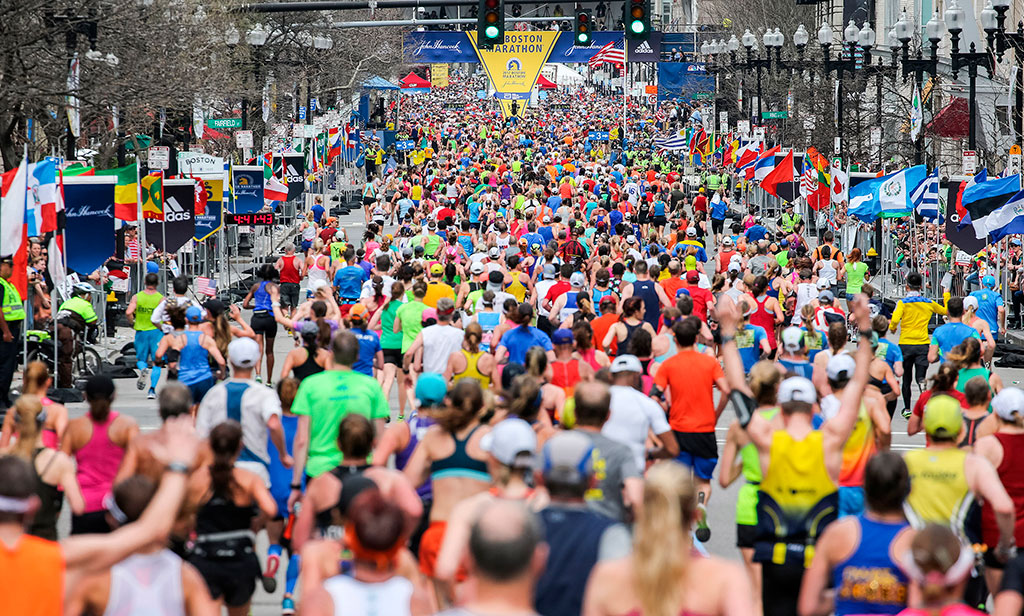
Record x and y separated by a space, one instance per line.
175 211
643 47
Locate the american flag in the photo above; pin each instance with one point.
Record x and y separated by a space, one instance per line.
808 179
206 286
608 54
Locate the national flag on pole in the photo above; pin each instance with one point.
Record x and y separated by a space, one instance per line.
808 179
78 169
764 165
13 200
926 197
608 54
746 156
334 141
41 207
206 286
983 198
274 190
1006 220
351 136
961 212
916 114
782 172
839 186
152 197
200 195
676 141
895 192
126 199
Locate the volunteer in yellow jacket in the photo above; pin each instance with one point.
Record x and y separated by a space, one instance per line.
798 495
911 316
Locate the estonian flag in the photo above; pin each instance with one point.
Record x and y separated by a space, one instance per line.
982 199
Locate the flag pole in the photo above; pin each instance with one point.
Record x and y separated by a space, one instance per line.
140 215
163 225
21 239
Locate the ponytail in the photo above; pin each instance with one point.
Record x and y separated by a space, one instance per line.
474 333
29 412
225 441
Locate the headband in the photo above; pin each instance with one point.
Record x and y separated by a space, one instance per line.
954 575
110 504
9 504
382 560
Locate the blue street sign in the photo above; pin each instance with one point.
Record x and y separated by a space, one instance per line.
314 104
302 112
406 144
598 135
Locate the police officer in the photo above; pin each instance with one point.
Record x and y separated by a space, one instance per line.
76 315
789 220
11 318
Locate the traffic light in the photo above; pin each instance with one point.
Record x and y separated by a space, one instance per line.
637 19
490 29
582 23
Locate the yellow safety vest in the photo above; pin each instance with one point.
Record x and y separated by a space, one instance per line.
13 308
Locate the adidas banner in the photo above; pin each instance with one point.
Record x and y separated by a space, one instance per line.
179 214
644 51
295 171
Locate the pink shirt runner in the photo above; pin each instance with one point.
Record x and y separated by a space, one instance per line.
98 462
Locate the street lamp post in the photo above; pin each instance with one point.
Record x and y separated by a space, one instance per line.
919 65
879 71
840 65
749 42
257 37
1001 40
971 60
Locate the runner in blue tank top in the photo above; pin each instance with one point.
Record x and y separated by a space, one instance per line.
651 292
857 555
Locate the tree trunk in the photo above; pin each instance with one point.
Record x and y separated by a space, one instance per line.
8 150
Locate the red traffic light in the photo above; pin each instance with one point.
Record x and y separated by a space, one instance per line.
583 17
491 4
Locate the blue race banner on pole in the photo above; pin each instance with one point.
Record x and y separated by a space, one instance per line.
89 232
683 80
451 47
247 188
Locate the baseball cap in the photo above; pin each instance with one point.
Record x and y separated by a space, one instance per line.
823 284
358 312
567 458
577 279
152 267
691 232
797 389
1009 404
690 262
840 367
692 276
431 388
727 241
562 336
942 416
245 352
214 306
309 328
477 268
734 266
792 339
970 302
607 299
826 296
445 306
437 269
194 314
428 313
549 270
512 442
626 363
631 239
101 386
494 252
988 282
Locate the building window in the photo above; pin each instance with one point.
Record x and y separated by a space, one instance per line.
1003 119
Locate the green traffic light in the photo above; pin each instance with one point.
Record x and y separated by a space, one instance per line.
637 26
582 37
491 32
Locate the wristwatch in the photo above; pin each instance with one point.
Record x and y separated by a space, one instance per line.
177 467
296 486
726 338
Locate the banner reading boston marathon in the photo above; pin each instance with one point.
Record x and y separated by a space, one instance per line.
451 47
514 65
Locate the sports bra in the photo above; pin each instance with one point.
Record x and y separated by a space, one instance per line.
472 371
308 367
459 463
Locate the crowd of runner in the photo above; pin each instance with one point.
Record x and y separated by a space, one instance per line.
562 328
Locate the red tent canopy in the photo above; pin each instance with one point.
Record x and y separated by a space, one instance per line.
545 84
952 121
412 80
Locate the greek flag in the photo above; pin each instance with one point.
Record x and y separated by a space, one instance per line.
673 142
926 197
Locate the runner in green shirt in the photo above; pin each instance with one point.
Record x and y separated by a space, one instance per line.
326 398
409 318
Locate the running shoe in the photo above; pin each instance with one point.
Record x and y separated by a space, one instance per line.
267 579
151 395
140 383
906 413
703 532
287 607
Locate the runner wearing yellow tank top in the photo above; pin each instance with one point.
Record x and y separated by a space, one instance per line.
945 479
801 466
516 288
470 362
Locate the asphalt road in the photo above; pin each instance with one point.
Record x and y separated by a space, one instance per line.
721 508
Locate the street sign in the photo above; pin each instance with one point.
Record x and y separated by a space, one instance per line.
159 157
652 99
302 112
758 133
703 96
598 135
970 162
774 115
314 104
308 131
224 122
743 126
650 89
1013 162
405 144
243 138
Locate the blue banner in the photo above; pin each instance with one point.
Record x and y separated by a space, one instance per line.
450 47
512 96
405 144
89 234
209 223
683 81
598 135
247 189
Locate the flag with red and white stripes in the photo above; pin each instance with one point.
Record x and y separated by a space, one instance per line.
608 55
206 286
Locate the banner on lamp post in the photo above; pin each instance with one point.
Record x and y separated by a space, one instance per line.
179 223
247 188
89 238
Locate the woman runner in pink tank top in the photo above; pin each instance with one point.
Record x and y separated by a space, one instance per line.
97 440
